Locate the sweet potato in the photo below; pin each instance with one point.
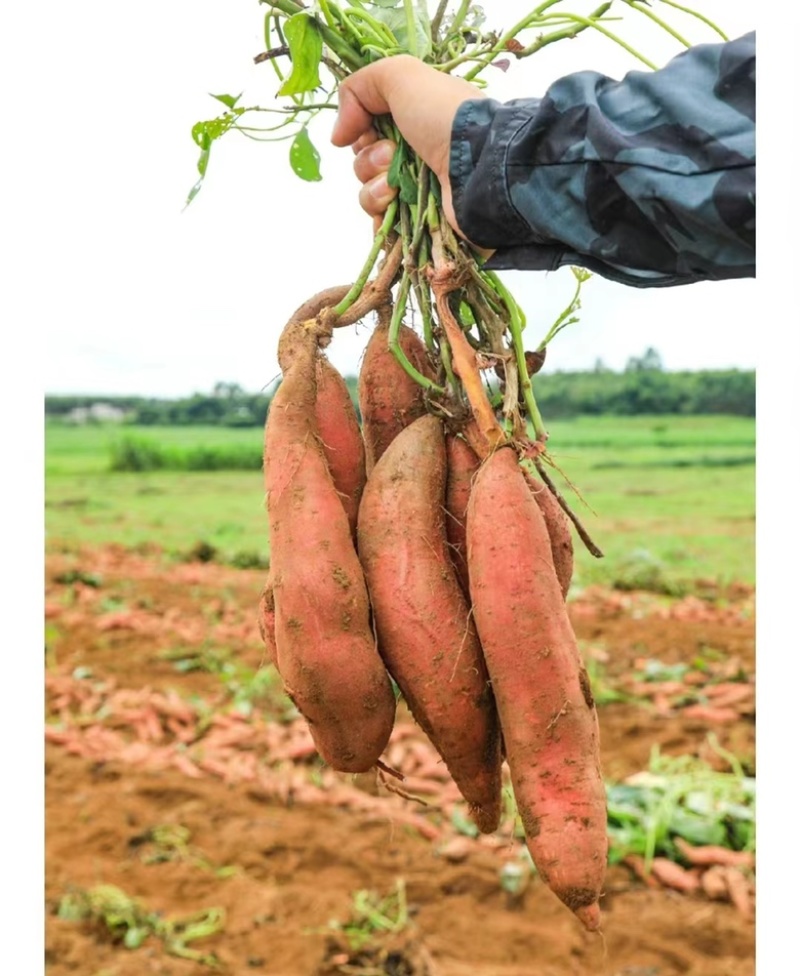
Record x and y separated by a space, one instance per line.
462 466
341 438
266 623
326 652
558 530
425 631
389 399
542 691
672 875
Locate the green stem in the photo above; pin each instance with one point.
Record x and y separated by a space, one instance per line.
423 293
699 16
380 238
564 319
568 32
327 13
423 186
460 16
453 63
617 40
380 32
436 23
508 299
335 42
394 332
515 327
657 20
535 16
411 27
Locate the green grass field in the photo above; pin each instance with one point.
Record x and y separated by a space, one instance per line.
671 499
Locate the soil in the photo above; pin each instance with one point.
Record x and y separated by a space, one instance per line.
136 740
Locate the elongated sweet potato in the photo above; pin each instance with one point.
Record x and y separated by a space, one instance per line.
388 398
462 466
341 438
326 652
266 623
543 694
558 530
425 632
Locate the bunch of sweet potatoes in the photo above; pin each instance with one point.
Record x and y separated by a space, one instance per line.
396 551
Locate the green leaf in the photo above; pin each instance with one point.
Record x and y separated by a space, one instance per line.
386 3
393 176
134 937
697 830
304 158
305 49
395 19
228 100
201 136
408 188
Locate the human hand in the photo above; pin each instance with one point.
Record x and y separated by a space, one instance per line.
423 103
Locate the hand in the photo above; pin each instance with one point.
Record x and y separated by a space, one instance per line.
423 103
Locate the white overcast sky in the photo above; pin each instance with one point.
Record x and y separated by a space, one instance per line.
142 297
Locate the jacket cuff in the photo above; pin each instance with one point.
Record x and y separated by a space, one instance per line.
482 132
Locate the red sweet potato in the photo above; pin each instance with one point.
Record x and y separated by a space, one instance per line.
425 631
389 399
462 466
326 652
543 694
266 623
558 530
341 438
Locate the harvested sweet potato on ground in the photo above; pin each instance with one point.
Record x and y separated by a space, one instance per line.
543 694
389 399
341 438
425 630
325 648
672 875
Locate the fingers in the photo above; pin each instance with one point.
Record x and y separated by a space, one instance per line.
371 166
374 159
366 140
376 196
360 99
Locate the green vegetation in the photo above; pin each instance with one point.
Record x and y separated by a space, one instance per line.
672 499
127 920
373 916
680 797
642 388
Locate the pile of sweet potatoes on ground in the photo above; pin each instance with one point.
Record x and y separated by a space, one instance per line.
400 557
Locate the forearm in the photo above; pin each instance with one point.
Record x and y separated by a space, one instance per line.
649 180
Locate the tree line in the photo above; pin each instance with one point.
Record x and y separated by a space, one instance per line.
643 387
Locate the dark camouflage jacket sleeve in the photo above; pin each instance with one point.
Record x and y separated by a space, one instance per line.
648 181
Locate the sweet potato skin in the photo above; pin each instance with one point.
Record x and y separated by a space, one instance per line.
388 398
340 436
542 692
266 623
558 531
462 466
326 652
425 632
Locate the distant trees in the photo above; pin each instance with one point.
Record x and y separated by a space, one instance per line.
643 387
